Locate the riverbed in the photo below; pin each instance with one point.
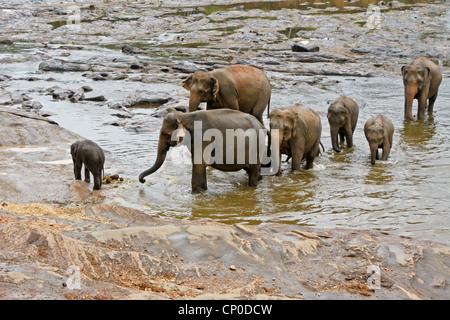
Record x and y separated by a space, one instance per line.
408 194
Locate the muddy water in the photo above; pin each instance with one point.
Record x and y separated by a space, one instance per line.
408 194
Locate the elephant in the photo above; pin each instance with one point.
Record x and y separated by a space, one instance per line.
379 132
237 87
89 154
192 129
421 79
342 117
299 133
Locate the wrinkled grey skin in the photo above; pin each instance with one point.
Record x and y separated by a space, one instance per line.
89 154
342 117
379 132
238 87
220 120
299 131
421 79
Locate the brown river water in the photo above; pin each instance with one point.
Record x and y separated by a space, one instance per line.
409 194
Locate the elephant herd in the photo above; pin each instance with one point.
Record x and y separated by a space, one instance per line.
236 97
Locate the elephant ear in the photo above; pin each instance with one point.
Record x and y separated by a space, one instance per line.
292 119
187 83
74 149
426 75
215 87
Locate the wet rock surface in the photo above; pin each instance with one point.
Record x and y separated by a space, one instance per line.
123 253
51 224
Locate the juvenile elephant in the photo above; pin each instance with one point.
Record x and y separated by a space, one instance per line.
89 154
379 132
196 129
299 132
421 79
238 87
342 117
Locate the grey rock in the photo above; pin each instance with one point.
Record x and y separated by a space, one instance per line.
298 48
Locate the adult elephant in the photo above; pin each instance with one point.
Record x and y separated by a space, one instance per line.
421 79
297 129
342 117
238 87
89 154
197 129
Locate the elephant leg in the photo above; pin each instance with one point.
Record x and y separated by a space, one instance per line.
341 137
297 160
386 149
198 181
431 103
98 180
87 176
422 98
253 175
349 136
77 170
310 156
385 154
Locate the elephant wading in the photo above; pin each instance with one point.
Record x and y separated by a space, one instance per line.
421 79
89 154
238 87
379 132
342 117
299 132
239 143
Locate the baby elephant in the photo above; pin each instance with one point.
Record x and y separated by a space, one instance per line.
299 131
91 155
342 117
379 131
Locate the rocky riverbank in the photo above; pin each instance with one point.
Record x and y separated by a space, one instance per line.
58 241
53 228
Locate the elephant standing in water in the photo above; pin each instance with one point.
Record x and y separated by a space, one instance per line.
421 79
299 131
342 117
379 132
237 87
245 153
89 154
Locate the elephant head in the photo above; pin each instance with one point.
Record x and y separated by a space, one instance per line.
338 115
415 78
203 87
375 137
282 129
171 123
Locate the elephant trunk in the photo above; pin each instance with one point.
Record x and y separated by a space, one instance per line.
373 152
194 102
410 93
163 147
334 139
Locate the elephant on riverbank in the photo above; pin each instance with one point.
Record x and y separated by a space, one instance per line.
228 140
379 132
297 129
342 117
421 79
89 154
237 87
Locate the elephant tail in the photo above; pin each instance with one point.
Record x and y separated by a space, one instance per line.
268 109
